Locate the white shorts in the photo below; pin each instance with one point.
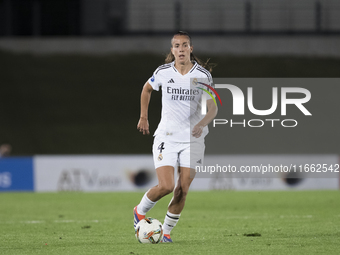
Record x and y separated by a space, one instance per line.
166 153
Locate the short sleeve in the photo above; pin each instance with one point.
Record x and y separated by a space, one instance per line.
154 81
209 81
212 88
207 84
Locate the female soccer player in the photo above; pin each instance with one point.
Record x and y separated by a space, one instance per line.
179 138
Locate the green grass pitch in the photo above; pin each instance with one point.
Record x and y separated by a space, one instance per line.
214 222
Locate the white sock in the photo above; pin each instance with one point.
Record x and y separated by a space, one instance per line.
170 222
145 205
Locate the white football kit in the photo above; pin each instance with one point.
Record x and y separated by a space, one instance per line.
181 111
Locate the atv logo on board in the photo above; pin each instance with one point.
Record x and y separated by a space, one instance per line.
81 179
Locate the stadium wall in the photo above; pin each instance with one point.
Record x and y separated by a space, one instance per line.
136 173
307 45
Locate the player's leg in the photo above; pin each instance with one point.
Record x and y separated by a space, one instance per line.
185 178
165 186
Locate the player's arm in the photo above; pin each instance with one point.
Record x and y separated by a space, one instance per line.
211 114
143 123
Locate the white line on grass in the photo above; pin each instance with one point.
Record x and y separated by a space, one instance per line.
55 221
266 217
32 222
97 221
296 216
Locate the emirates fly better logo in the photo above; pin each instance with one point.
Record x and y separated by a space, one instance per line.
238 105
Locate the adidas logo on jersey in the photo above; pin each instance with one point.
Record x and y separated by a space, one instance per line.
199 161
171 81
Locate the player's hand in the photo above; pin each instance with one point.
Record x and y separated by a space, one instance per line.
143 126
197 131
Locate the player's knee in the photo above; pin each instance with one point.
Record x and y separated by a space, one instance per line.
184 193
177 192
166 189
180 192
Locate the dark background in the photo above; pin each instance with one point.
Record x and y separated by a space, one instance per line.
126 17
86 104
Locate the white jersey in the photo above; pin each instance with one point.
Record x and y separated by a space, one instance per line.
181 100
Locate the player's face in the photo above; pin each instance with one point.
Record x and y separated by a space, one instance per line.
181 49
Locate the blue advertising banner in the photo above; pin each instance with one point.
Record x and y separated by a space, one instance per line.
16 174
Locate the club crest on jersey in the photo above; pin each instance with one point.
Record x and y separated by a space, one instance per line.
160 157
194 81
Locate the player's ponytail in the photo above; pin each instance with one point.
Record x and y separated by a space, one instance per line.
206 64
170 57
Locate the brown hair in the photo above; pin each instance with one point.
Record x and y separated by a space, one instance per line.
170 57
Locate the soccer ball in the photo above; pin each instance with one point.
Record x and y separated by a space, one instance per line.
149 230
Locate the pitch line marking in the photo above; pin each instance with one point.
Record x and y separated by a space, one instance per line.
55 221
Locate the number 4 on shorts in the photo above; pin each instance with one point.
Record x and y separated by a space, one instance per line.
161 147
